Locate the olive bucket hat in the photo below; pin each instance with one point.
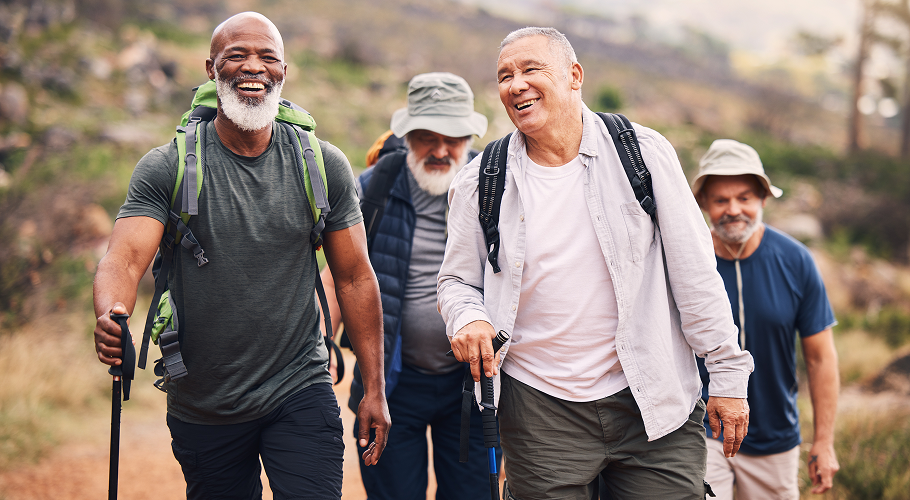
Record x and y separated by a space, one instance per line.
441 103
729 157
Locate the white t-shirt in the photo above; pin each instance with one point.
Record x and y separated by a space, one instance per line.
563 343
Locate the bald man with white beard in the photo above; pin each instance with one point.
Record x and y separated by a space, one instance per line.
257 388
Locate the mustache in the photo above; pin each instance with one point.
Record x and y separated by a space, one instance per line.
726 219
432 160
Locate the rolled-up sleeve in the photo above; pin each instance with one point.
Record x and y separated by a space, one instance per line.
704 308
459 287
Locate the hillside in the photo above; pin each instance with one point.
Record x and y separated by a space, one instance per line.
89 86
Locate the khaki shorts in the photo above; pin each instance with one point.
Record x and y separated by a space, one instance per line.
757 477
556 449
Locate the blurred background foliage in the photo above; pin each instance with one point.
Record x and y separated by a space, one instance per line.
89 86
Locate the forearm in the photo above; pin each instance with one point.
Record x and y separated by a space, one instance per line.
824 385
328 282
359 303
116 280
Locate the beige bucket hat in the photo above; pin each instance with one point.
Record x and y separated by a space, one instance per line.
729 157
441 103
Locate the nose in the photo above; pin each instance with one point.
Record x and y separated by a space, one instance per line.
252 65
518 85
439 150
734 208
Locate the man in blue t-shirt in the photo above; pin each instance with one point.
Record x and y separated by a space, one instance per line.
776 293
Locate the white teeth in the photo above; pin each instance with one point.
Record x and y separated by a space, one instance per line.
523 105
251 85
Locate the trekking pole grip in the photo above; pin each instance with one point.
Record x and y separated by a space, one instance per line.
488 417
127 367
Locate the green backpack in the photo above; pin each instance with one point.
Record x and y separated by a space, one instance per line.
161 324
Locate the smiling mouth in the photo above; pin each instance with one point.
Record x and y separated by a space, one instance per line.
250 86
525 105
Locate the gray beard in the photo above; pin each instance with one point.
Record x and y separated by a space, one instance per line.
435 183
248 114
722 230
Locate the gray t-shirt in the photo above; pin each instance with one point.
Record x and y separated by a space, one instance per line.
250 336
423 333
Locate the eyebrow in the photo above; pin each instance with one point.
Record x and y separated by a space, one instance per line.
242 48
524 63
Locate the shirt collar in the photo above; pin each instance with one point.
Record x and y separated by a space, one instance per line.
589 132
588 145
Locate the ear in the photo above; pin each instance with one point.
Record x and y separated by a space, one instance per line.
577 74
210 68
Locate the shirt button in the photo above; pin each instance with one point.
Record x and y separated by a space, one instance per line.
513 308
518 264
521 217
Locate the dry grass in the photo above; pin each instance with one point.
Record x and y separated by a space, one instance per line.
49 374
860 355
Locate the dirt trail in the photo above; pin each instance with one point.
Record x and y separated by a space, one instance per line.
78 469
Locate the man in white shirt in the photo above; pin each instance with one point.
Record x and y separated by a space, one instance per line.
606 311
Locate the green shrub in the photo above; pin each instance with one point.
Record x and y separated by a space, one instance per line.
609 99
874 455
891 324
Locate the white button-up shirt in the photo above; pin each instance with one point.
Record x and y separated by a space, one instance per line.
671 300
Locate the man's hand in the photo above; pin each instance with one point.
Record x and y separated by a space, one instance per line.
822 466
107 337
373 413
474 344
734 413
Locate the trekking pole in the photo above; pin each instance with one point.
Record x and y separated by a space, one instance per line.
488 416
123 375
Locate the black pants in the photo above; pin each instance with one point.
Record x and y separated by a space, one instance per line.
300 443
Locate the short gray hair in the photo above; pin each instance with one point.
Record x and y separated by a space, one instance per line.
557 41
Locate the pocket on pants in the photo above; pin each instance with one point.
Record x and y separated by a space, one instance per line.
333 421
186 458
698 413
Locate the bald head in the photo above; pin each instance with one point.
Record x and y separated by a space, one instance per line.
238 23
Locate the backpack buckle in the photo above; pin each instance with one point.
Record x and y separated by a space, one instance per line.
200 257
168 240
487 170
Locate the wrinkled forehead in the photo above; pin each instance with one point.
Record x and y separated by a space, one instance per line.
242 26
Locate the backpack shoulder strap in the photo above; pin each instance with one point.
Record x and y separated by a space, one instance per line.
184 203
633 164
311 167
376 193
491 185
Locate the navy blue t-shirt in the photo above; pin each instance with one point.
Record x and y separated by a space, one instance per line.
783 294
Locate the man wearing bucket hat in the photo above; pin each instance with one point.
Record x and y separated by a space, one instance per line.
775 291
406 249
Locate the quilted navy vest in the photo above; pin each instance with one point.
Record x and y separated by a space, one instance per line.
390 256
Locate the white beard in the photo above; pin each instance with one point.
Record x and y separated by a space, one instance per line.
248 114
435 182
732 236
